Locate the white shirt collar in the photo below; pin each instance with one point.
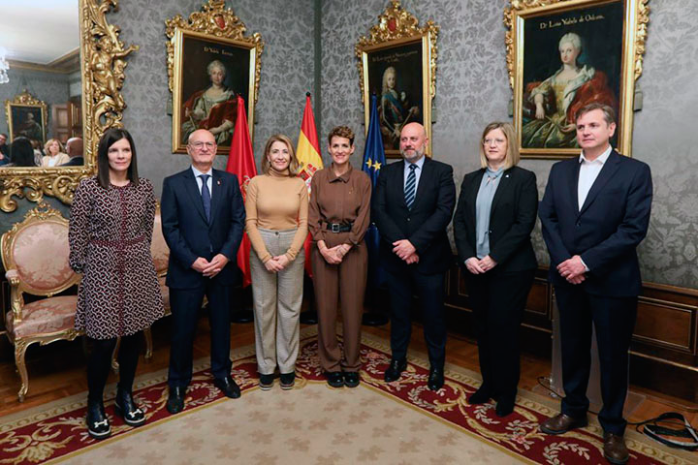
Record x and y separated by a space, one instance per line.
601 159
419 163
197 173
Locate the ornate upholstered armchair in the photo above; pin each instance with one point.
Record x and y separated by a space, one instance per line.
35 255
161 255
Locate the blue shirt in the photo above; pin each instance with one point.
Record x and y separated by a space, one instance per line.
483 210
417 172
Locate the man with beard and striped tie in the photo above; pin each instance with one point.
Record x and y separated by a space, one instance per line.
412 206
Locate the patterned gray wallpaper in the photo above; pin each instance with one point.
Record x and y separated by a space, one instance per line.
287 73
473 89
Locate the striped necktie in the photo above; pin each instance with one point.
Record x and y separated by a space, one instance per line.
411 187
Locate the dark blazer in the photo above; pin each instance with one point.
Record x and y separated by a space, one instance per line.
425 225
512 219
607 230
75 161
188 233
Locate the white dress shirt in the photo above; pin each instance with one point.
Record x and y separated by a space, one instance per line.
588 172
417 172
199 182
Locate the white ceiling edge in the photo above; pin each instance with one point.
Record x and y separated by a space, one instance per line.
39 31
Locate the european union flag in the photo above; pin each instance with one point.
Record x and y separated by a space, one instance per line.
374 159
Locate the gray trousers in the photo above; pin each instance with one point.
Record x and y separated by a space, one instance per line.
277 299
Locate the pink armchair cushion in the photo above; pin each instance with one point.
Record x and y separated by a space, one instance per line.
158 247
41 253
44 316
165 293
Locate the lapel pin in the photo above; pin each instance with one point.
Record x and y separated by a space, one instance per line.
219 182
506 176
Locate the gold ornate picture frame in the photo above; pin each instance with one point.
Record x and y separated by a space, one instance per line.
210 62
563 54
26 116
397 62
103 60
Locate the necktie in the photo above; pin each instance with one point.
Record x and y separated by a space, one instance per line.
206 195
411 187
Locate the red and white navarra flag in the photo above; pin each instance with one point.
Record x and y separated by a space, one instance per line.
308 154
241 163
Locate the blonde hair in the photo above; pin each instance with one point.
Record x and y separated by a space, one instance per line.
388 70
512 157
51 141
293 166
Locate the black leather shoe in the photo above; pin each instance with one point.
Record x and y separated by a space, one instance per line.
351 379
97 421
175 402
436 379
228 385
395 370
335 379
481 396
562 423
126 408
505 407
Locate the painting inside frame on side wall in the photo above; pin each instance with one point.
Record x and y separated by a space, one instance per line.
563 55
397 63
210 63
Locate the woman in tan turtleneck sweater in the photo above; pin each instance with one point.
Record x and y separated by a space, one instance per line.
277 225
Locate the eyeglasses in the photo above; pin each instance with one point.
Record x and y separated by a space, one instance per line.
199 145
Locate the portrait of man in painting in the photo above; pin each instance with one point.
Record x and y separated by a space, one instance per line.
27 122
213 74
570 59
395 76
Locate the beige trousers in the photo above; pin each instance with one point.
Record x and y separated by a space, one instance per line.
277 299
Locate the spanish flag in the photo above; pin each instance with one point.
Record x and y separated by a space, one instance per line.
308 154
241 163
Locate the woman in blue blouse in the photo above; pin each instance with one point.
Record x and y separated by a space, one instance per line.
495 216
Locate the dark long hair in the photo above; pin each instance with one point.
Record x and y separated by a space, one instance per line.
110 137
21 152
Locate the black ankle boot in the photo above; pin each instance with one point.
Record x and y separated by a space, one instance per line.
127 409
97 421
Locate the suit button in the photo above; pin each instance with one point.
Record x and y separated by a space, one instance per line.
408 219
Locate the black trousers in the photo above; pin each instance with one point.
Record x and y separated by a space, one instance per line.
185 304
430 290
498 301
614 321
99 364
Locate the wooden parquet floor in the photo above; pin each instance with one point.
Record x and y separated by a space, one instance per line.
58 370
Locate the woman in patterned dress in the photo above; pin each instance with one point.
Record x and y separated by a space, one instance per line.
111 227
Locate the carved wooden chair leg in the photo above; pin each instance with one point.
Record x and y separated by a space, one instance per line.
115 357
148 343
20 352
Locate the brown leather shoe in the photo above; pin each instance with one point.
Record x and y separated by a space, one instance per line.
562 423
614 449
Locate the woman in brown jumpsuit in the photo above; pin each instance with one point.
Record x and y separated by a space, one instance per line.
338 216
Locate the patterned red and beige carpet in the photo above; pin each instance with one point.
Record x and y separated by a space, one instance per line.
397 423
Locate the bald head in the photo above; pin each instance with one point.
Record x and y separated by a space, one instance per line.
413 140
74 147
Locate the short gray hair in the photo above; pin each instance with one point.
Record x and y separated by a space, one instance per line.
609 114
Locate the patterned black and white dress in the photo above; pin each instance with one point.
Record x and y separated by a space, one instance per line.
110 234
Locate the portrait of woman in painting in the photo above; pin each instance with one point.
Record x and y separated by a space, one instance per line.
395 109
549 106
213 108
